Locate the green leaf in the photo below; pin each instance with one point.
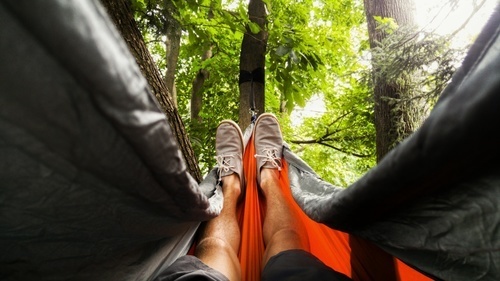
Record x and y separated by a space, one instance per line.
283 50
254 28
298 96
294 57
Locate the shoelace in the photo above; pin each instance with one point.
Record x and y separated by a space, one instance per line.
224 163
271 156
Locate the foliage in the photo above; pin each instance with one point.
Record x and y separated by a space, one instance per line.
388 25
317 53
223 33
421 64
342 138
310 50
315 48
205 25
307 40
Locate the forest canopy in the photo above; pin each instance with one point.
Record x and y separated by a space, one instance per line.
323 70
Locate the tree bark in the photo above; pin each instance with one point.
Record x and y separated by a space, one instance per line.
196 90
402 12
201 77
121 14
172 46
252 60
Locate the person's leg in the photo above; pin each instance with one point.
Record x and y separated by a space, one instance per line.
281 230
220 238
220 242
287 255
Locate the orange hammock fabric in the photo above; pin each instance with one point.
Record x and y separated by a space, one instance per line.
334 248
353 256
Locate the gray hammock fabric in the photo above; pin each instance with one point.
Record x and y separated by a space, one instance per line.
93 185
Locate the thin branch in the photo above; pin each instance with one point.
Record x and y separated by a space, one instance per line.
324 143
472 14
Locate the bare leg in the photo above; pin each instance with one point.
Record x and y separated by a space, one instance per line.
281 230
220 242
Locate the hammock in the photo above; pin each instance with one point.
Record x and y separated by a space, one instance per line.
94 187
333 247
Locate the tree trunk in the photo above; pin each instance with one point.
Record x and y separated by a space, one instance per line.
199 80
196 90
385 114
172 46
252 65
121 13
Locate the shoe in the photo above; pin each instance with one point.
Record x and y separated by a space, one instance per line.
268 143
229 149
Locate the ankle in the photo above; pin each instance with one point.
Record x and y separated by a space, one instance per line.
231 183
269 178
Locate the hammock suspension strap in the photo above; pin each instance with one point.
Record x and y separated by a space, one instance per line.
257 76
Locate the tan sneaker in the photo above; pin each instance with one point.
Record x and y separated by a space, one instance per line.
229 149
268 143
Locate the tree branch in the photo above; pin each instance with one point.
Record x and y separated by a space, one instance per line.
464 24
324 143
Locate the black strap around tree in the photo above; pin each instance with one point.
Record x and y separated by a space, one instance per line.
257 75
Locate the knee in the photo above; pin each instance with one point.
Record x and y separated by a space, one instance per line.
290 238
212 245
219 255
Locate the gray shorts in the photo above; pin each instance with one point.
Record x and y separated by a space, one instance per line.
299 265
287 265
190 268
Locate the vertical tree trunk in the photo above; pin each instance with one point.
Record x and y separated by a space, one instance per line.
120 12
172 46
402 12
252 61
386 131
196 90
199 80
